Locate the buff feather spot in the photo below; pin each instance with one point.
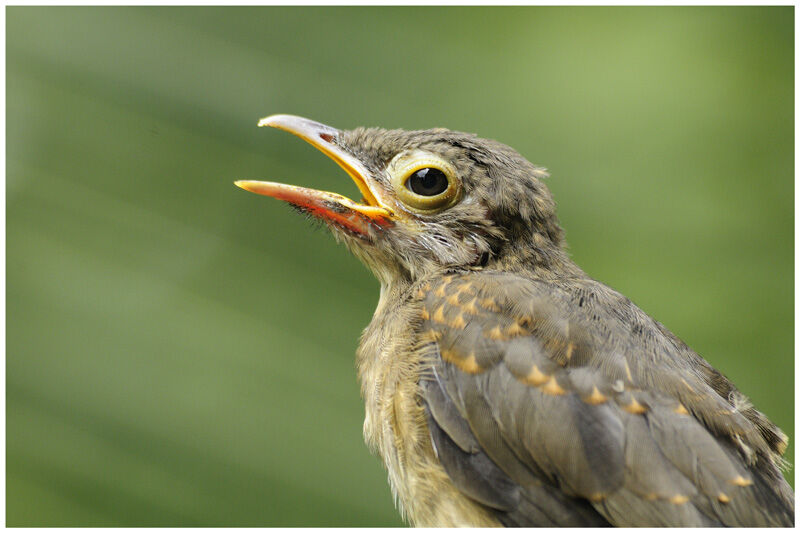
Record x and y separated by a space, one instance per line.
514 330
553 388
635 407
470 307
596 397
438 315
469 364
678 499
535 377
495 334
488 303
458 322
739 481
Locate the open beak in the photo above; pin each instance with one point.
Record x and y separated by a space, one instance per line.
344 212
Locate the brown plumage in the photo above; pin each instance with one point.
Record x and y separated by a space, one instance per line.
503 386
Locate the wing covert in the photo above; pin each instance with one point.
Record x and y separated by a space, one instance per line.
540 413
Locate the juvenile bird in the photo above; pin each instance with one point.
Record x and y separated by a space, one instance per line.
503 386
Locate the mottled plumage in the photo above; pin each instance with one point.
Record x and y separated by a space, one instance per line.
503 386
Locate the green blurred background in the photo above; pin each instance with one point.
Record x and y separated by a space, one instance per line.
180 352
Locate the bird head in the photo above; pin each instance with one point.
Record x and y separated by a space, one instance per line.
432 200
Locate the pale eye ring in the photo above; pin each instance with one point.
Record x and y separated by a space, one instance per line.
424 182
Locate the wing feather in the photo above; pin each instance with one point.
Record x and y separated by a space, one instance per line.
540 411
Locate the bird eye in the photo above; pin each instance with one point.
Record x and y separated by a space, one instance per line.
424 181
427 182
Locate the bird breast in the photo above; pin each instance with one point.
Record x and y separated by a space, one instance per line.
390 362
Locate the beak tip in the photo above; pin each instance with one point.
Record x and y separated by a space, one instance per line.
247 185
278 121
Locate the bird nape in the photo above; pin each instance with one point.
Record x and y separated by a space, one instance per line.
503 386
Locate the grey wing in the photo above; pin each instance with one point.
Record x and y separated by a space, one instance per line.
536 418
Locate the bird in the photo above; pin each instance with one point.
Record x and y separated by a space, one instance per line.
502 385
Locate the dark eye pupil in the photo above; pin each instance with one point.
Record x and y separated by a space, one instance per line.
427 182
